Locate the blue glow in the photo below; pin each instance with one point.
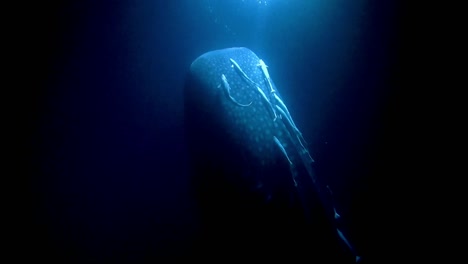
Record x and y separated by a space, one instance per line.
260 2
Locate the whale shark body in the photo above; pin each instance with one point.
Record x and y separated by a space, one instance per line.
251 168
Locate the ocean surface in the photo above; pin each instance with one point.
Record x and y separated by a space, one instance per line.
109 180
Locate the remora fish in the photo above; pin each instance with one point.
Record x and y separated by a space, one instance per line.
241 72
227 91
263 66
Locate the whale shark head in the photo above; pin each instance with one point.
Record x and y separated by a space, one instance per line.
239 140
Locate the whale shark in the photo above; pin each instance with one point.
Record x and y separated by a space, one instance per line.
251 168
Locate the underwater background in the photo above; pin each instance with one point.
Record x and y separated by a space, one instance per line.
107 170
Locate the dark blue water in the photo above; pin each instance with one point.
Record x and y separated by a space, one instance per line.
106 156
